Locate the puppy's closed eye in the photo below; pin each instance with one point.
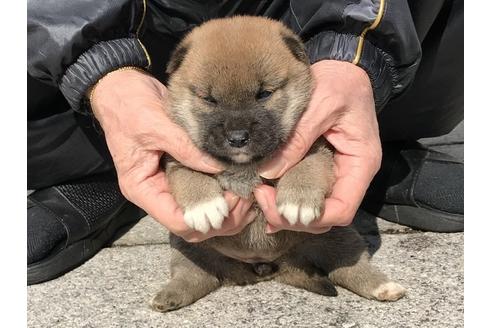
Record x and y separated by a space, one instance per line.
209 99
205 96
263 94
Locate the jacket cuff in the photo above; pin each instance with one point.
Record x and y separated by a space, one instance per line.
377 64
96 62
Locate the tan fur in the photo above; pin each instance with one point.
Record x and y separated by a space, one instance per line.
214 50
256 51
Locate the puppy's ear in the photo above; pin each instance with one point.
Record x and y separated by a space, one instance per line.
177 58
296 47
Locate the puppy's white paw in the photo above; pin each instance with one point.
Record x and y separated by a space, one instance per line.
309 214
389 291
210 213
294 213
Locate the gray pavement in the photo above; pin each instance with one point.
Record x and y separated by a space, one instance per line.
113 289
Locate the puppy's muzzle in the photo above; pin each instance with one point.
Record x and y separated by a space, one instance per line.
237 138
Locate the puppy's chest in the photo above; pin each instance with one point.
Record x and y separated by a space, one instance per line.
241 181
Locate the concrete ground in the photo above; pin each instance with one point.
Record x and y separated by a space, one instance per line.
113 289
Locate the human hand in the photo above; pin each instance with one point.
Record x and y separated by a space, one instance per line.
130 105
342 110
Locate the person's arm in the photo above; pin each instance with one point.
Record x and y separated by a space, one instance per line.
362 54
91 51
72 44
377 35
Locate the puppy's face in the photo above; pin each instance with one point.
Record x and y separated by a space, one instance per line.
238 86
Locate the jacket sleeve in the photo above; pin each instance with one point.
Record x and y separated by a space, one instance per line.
377 35
72 44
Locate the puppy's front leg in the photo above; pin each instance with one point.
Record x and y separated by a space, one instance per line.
199 195
301 192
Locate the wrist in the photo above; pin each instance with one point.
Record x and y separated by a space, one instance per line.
109 91
94 63
340 86
347 74
90 91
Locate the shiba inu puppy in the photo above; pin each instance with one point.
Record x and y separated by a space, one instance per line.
238 86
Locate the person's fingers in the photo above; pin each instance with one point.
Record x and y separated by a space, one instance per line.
232 200
291 153
302 228
239 224
271 228
353 178
239 217
236 213
184 151
152 195
356 163
265 196
237 208
341 206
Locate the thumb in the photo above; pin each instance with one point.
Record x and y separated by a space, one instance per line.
184 151
290 154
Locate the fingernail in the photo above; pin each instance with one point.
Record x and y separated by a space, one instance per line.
211 163
247 205
273 171
234 200
261 199
271 229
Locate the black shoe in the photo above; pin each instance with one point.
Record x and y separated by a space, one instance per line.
68 224
419 188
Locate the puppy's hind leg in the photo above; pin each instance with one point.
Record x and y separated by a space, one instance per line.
317 284
297 272
343 255
365 280
188 284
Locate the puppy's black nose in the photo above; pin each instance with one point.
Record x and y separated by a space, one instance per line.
237 138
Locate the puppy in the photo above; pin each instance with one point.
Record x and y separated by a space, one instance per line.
238 87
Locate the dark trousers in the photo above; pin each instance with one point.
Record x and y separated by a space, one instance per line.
63 145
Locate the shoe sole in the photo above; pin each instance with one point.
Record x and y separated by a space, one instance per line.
76 254
420 218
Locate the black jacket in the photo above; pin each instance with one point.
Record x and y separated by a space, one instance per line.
73 43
